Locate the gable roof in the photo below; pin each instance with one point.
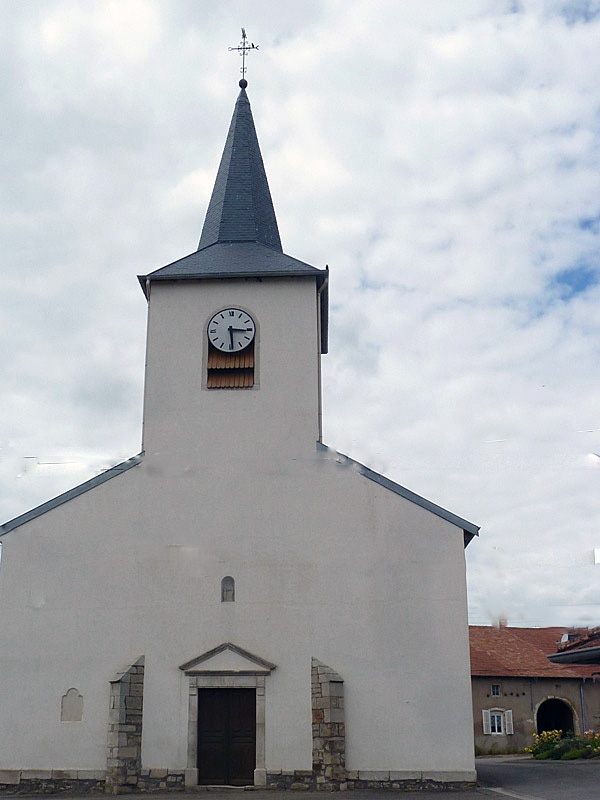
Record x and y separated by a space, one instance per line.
82 488
498 652
469 528
240 237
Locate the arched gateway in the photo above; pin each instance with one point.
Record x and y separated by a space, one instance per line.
554 715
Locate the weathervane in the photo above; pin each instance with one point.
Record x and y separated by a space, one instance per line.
242 49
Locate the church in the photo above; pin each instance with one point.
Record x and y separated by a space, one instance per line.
238 604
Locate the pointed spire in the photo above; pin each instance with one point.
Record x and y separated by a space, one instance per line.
240 238
240 208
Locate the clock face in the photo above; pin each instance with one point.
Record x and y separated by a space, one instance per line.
231 330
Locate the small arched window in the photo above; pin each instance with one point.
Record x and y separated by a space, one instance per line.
227 589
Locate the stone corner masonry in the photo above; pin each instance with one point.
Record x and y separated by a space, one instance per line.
328 728
124 760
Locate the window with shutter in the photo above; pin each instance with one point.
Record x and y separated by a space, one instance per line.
497 721
487 725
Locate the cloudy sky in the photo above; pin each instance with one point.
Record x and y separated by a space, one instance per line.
442 158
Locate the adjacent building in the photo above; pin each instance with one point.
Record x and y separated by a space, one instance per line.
518 691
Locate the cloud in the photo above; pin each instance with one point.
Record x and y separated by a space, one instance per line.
443 161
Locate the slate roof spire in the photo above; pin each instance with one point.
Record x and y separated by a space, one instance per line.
240 237
241 208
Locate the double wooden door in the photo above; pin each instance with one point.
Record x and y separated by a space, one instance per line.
226 736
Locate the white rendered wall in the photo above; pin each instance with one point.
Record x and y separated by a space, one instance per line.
337 567
326 563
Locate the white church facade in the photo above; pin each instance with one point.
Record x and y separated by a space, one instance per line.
238 604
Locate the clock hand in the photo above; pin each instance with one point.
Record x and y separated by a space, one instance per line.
239 330
230 329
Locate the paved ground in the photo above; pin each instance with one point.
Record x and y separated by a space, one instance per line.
524 778
471 794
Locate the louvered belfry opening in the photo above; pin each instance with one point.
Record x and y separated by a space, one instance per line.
230 370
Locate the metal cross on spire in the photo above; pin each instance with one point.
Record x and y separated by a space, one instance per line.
243 48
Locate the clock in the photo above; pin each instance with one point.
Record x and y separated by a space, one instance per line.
231 330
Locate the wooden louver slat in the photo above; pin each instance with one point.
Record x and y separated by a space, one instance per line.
219 360
230 379
230 370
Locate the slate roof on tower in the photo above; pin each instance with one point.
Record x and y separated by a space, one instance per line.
240 237
241 208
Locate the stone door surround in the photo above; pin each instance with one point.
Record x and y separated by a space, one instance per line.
226 667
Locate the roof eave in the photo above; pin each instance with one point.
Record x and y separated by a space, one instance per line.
470 530
468 537
321 276
323 290
585 655
60 499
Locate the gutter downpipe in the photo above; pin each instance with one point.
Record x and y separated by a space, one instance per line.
322 295
583 725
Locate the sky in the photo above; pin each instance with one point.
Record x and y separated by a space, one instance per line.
442 158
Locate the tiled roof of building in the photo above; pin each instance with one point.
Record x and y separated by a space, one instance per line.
519 652
589 637
581 648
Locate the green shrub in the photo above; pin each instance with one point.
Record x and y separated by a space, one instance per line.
562 747
553 745
577 752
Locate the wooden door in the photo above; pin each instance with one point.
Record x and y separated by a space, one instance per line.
226 736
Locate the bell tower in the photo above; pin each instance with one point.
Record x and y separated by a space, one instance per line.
236 329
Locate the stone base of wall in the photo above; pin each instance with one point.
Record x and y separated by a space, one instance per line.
291 779
408 786
391 781
404 781
80 782
84 782
52 781
160 780
407 781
